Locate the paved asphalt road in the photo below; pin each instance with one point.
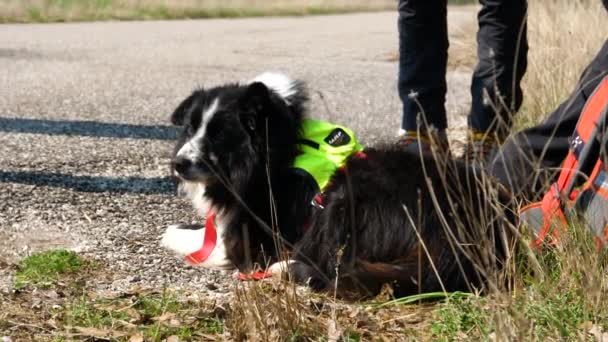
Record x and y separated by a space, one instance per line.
84 135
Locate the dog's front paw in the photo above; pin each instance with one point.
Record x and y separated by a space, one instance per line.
280 268
305 274
184 240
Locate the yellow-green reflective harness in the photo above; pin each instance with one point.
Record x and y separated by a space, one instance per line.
324 148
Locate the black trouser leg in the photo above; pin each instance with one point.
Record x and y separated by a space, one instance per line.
502 48
528 161
423 52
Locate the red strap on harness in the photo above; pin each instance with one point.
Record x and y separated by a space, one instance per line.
209 242
257 275
360 155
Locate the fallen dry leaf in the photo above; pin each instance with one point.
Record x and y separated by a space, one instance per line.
129 326
333 334
175 323
354 313
106 306
599 335
98 333
134 314
208 337
137 338
164 317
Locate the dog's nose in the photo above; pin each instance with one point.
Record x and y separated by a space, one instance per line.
182 165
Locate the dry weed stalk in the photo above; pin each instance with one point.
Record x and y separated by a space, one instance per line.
564 36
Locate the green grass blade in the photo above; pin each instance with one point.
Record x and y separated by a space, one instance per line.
424 296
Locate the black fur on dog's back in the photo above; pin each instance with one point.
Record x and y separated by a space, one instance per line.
243 162
375 209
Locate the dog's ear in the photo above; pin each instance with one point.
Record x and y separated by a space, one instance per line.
256 99
180 113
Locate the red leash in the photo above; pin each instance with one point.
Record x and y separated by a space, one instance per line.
209 242
257 275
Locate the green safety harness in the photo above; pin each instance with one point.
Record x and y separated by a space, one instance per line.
324 148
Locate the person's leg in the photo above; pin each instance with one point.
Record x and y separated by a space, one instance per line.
423 48
502 49
528 161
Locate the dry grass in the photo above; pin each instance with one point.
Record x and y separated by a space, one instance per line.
79 10
564 36
554 293
280 311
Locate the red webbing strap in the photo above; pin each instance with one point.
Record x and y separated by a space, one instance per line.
592 110
567 172
257 275
209 242
596 184
596 171
552 211
584 129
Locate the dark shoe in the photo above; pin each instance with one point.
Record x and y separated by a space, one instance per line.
481 146
436 142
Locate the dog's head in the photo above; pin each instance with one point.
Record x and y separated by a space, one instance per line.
230 131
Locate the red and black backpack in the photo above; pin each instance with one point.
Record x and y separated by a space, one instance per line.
581 190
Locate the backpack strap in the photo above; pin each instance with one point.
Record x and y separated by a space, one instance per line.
583 144
592 203
542 216
551 212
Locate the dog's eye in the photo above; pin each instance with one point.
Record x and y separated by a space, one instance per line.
190 130
213 157
251 123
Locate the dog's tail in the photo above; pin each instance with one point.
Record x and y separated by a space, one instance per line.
383 272
293 92
371 275
366 277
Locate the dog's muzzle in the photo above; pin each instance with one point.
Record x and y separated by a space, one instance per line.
190 170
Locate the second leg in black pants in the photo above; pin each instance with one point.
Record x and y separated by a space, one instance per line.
502 49
423 51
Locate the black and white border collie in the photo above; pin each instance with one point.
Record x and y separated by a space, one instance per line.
391 217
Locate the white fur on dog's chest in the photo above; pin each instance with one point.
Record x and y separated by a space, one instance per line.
196 193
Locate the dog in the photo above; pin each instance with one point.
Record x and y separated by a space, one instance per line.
388 216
